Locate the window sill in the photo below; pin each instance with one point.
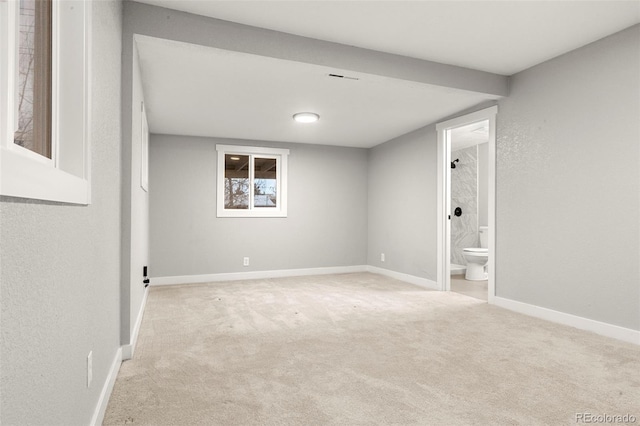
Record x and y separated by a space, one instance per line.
251 213
26 178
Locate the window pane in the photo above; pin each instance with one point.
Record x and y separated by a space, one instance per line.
236 181
265 182
34 77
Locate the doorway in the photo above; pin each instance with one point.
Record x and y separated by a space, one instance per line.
447 130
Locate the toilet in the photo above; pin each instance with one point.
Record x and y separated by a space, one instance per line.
477 258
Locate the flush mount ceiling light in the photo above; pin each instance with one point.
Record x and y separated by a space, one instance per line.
234 158
306 117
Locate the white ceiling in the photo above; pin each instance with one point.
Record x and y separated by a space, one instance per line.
202 91
502 37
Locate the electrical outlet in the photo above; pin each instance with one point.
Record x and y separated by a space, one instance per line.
89 368
245 261
381 257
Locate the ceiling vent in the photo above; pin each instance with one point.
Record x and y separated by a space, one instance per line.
346 77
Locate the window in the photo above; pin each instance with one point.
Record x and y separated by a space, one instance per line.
252 181
33 101
44 117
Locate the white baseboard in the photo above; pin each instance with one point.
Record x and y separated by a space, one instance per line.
602 328
411 279
234 276
253 275
103 401
127 350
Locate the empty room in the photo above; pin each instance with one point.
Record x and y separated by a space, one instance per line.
319 212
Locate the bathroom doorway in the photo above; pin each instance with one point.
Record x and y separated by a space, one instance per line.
466 204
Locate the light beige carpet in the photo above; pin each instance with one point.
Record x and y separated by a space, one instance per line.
361 349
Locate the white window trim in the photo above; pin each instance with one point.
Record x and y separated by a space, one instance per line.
24 173
281 156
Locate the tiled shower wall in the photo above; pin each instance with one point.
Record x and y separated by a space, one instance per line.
464 194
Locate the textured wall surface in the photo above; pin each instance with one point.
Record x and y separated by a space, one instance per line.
464 194
568 183
402 204
327 211
139 221
59 278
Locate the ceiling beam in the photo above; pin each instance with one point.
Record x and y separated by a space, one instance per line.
185 27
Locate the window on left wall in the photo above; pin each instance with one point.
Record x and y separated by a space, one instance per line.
44 117
33 101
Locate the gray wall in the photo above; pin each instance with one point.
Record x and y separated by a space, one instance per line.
327 211
464 194
60 270
568 183
134 238
139 220
402 204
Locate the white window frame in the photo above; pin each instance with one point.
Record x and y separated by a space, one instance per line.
24 173
281 157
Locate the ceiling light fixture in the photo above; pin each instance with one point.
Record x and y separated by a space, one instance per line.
234 158
306 117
